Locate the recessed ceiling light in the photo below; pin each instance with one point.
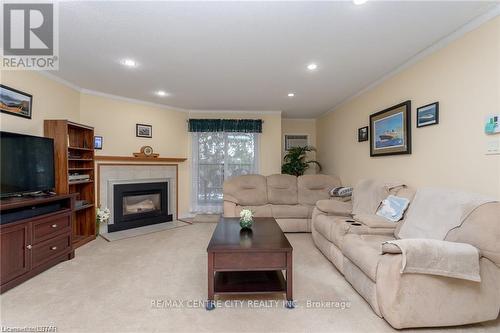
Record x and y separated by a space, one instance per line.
359 2
291 94
312 67
129 63
161 93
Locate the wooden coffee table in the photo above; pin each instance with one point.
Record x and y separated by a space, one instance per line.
249 261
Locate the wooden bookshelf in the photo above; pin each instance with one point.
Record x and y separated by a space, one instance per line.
74 153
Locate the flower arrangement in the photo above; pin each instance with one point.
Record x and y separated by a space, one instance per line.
246 218
102 216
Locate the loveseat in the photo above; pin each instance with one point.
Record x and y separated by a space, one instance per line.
354 244
289 199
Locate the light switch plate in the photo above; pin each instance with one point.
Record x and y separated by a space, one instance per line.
493 147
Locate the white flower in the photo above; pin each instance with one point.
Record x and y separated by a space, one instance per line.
246 215
103 214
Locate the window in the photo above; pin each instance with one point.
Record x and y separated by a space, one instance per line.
218 156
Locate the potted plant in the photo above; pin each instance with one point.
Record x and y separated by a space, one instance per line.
295 161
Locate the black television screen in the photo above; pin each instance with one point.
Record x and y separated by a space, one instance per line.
26 165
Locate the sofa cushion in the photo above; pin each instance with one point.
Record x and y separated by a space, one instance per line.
374 221
369 193
312 188
259 211
365 252
335 207
482 230
291 211
247 190
282 189
333 228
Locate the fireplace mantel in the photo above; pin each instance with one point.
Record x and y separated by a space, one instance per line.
139 159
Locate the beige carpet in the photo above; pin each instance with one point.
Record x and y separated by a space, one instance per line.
110 287
202 218
208 218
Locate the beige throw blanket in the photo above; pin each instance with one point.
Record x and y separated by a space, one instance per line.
435 257
369 193
434 212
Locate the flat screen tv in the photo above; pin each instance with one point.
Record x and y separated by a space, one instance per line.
26 164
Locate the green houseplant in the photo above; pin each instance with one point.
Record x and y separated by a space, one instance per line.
295 161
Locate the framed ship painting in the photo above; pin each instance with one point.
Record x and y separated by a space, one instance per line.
391 131
15 102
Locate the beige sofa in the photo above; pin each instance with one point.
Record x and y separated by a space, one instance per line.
289 199
411 300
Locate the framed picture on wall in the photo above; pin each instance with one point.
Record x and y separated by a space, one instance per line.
15 102
391 131
428 115
97 142
363 134
143 131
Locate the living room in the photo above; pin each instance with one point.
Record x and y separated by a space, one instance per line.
209 102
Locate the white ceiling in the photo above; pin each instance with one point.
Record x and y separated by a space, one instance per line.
248 55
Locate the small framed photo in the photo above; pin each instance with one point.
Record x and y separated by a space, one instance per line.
15 102
143 131
428 115
363 134
97 142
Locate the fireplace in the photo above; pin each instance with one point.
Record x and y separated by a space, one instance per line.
139 204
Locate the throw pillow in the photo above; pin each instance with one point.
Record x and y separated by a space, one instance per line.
393 208
341 191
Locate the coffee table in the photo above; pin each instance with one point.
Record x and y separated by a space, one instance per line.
242 261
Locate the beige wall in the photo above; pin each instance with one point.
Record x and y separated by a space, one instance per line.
464 77
51 100
115 121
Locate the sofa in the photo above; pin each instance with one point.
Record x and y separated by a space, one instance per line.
289 199
353 243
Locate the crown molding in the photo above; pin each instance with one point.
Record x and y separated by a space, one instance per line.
468 27
56 78
312 120
146 103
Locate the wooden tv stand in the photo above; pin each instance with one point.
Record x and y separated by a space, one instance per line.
35 234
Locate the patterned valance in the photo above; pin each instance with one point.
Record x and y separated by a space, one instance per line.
225 125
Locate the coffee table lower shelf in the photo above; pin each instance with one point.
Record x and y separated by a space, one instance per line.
252 282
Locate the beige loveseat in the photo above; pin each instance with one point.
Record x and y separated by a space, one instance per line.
410 300
289 199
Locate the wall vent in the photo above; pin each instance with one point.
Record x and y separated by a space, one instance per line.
292 141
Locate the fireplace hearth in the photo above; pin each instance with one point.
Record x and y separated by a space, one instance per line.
139 204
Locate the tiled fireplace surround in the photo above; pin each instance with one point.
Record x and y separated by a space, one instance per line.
110 174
